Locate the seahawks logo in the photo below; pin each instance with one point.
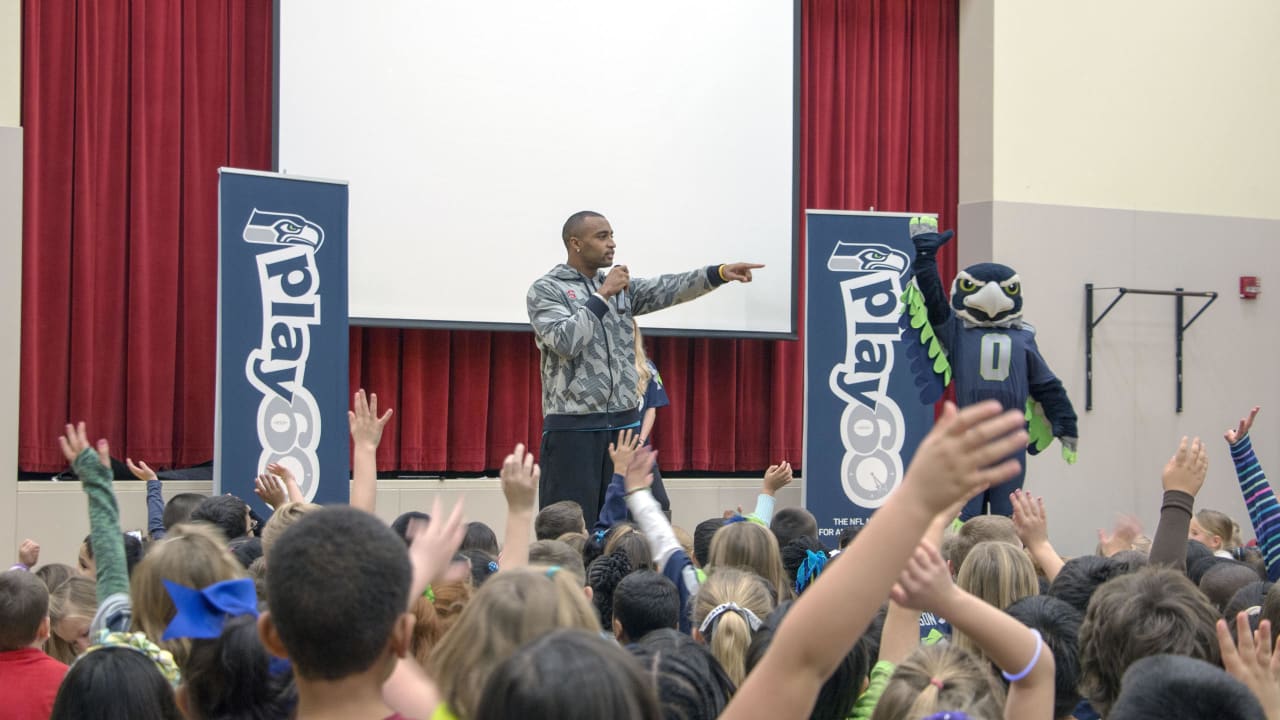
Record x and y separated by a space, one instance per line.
273 228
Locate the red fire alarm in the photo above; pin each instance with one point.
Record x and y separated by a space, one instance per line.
1250 287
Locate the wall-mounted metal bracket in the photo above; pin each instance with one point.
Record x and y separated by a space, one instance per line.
1180 328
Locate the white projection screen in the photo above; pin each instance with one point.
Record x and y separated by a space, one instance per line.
469 132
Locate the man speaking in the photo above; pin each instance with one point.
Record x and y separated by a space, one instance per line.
582 317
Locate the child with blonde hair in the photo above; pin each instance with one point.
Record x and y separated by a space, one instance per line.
728 609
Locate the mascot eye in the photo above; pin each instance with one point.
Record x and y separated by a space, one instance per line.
876 255
1012 289
968 285
290 227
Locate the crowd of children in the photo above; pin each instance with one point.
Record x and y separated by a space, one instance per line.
331 613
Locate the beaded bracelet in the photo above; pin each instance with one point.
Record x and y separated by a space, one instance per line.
1031 665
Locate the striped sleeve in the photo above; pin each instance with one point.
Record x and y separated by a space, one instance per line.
1264 511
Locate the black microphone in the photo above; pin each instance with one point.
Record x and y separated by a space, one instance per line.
624 305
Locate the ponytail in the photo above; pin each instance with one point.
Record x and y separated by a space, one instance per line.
728 637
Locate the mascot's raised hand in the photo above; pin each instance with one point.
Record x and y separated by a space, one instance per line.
976 339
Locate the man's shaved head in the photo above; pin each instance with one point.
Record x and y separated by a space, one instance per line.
573 226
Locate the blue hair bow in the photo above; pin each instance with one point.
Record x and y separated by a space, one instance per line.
810 569
203 613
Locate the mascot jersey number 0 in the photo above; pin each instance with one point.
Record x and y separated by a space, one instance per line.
978 339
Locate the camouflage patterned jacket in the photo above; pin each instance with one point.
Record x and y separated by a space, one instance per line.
588 345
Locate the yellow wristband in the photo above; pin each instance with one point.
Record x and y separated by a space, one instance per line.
720 271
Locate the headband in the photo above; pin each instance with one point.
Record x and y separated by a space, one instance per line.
809 570
139 643
203 613
949 715
721 609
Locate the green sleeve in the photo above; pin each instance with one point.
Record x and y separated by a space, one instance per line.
104 525
866 704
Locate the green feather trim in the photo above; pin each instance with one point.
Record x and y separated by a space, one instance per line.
1038 429
918 316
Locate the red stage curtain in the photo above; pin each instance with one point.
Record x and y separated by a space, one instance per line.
130 107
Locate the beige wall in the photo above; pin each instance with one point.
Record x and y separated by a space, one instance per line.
10 326
10 61
1165 105
1130 144
57 514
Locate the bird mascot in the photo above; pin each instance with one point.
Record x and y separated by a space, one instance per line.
978 340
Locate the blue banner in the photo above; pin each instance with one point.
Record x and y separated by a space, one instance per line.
863 416
282 334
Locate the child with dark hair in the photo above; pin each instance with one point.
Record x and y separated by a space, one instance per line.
1172 687
483 565
228 513
480 537
643 602
791 523
230 676
1059 624
840 691
132 554
1222 581
405 520
569 675
177 511
691 683
557 519
117 682
1151 612
343 639
245 550
702 534
30 677
848 534
1080 577
804 559
603 577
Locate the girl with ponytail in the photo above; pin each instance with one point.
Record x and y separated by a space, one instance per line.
728 609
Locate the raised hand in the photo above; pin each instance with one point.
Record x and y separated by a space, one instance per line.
777 477
738 272
29 553
74 441
366 426
141 470
1185 471
1029 518
963 454
290 482
271 490
1122 536
1235 435
639 474
925 583
520 476
432 547
624 450
1252 660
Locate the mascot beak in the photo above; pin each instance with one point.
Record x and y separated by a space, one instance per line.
991 300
